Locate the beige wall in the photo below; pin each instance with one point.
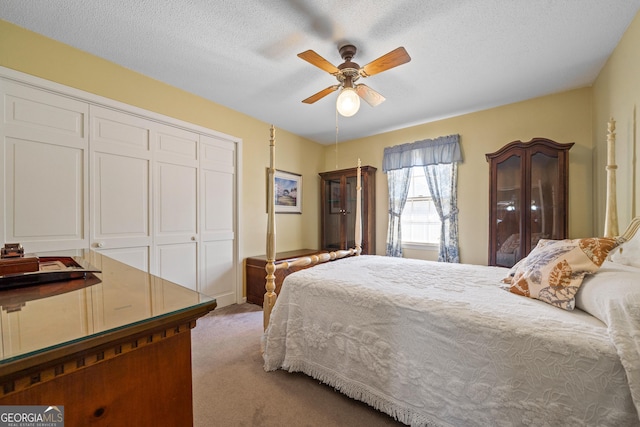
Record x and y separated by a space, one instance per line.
564 117
616 93
34 54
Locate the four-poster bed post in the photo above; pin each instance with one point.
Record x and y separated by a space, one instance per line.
271 267
270 295
611 212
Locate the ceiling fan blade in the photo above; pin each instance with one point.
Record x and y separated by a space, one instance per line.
317 60
372 97
392 59
324 92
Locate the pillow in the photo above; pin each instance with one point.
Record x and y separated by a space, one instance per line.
613 285
554 270
628 253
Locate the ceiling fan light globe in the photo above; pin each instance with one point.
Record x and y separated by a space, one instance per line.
348 102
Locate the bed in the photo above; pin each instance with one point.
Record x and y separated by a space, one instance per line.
435 344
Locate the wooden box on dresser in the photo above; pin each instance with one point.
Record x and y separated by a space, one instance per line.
338 209
256 274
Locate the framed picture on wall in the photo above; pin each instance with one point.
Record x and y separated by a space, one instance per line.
287 192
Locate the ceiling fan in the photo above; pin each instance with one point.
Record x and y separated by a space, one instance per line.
349 72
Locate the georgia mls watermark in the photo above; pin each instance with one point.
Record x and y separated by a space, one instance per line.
31 416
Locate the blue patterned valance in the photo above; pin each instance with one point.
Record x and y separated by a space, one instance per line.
445 149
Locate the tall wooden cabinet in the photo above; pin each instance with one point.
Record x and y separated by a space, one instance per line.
338 209
528 197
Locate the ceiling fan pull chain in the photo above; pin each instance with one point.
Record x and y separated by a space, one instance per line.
336 150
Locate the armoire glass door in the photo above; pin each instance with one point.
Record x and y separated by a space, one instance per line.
545 222
509 209
333 213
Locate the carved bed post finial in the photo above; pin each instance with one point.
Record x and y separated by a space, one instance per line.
270 287
611 213
358 231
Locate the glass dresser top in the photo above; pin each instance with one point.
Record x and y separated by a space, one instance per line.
36 318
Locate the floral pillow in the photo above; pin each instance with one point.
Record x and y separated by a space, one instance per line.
554 269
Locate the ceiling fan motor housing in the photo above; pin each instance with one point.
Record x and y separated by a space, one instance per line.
347 52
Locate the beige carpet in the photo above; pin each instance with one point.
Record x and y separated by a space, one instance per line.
231 388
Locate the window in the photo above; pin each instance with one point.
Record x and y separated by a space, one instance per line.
420 221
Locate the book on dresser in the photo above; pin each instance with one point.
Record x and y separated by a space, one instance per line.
256 274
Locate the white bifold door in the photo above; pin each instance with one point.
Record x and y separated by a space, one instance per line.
153 192
43 180
121 188
163 200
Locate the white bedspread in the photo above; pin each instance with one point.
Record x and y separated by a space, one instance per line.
443 345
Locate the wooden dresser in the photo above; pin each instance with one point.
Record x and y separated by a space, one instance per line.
256 273
113 348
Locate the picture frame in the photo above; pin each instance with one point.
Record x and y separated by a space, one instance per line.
287 192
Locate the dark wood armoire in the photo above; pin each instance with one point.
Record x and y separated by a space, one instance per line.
528 197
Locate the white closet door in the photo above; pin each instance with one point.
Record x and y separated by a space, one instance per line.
43 184
176 205
121 186
217 201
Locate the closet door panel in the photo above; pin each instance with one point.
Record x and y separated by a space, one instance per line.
176 202
120 201
178 263
219 278
121 185
118 132
43 180
176 205
45 194
43 116
137 257
217 200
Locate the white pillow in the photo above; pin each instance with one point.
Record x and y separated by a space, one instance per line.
613 284
628 253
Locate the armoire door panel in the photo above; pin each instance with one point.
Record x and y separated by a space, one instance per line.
45 189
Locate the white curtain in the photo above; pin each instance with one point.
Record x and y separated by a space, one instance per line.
398 190
442 180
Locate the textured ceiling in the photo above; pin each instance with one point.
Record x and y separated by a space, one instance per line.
467 55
